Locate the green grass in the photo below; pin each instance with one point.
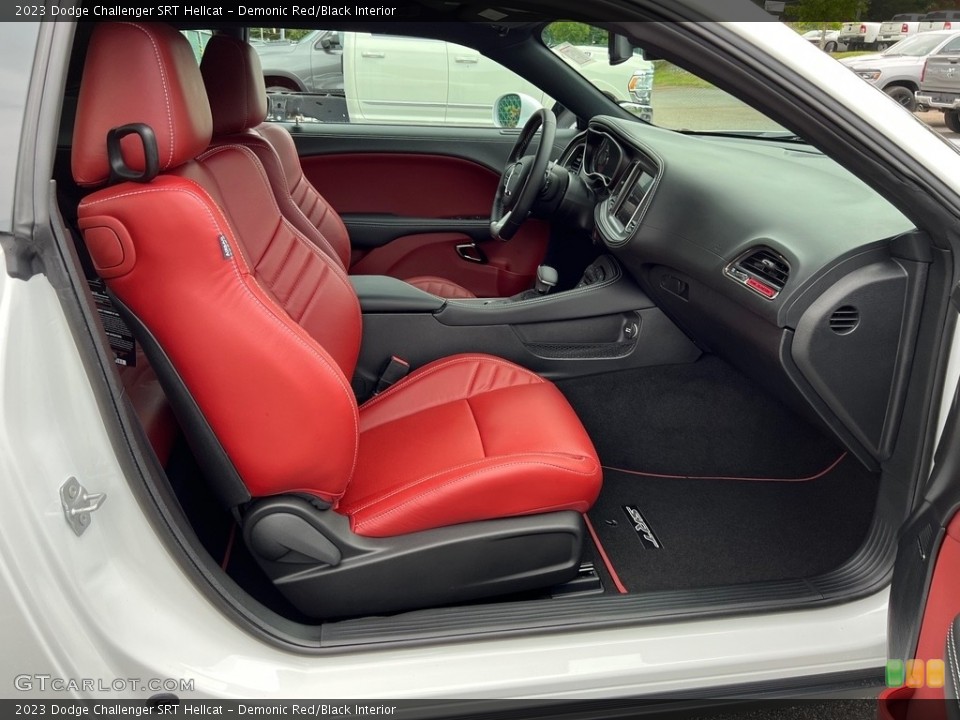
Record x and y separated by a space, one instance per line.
668 75
851 53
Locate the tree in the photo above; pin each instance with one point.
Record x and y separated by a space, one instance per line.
829 10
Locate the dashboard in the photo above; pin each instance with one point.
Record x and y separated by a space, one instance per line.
769 253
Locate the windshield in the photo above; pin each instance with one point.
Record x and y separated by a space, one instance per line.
916 46
657 91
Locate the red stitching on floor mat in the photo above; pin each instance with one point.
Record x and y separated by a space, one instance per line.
603 556
727 477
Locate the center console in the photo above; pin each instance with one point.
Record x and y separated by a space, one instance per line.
605 323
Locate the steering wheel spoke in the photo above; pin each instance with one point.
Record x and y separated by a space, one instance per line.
523 178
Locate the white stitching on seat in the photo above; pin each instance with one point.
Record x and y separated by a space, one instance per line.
338 271
954 665
166 93
453 481
469 358
354 508
271 314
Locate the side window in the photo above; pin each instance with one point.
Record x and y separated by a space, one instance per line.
198 40
951 48
657 91
326 76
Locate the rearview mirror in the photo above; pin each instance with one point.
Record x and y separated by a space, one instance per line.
619 48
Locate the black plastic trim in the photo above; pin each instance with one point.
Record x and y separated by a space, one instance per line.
375 230
218 468
326 570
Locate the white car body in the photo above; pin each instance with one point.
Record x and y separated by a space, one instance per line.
940 20
75 607
456 85
898 28
859 35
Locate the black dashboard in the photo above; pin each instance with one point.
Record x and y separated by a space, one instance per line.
770 253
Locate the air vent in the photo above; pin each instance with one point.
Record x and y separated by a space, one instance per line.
762 270
844 320
767 266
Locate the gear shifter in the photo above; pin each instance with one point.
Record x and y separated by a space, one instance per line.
546 279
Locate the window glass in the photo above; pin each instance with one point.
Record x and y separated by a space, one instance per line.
323 76
657 91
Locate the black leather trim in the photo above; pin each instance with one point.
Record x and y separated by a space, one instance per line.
375 230
383 294
616 294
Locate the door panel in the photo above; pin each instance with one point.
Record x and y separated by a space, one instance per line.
396 176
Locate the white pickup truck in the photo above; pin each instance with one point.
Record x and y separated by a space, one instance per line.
898 28
859 35
403 80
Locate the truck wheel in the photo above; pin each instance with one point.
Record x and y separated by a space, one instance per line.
830 47
952 120
902 95
279 85
882 46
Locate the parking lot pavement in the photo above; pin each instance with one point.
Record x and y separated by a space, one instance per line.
934 118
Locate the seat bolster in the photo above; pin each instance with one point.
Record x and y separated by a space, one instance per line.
468 438
276 399
453 378
495 487
440 287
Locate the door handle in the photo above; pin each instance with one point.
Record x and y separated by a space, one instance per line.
373 54
467 60
471 253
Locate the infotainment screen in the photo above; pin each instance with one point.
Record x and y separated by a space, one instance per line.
634 196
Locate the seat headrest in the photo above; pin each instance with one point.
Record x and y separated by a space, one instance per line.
235 88
139 73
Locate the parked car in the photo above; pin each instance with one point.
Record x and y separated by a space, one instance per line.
375 72
711 455
898 28
940 84
898 69
939 20
827 40
859 35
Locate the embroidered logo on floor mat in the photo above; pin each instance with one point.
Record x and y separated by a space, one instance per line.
647 537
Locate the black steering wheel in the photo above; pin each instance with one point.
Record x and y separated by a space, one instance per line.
523 178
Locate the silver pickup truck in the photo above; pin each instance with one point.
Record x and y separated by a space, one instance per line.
940 84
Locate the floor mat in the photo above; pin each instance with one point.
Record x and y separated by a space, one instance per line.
679 533
703 418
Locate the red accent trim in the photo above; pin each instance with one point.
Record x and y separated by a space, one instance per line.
820 474
603 556
226 553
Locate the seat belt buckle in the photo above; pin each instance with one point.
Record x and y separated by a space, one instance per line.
396 369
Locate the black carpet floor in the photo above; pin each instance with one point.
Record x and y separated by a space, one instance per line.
708 533
702 418
804 509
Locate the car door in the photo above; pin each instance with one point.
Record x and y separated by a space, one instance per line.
414 171
925 592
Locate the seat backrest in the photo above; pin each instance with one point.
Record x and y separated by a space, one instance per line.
262 327
238 103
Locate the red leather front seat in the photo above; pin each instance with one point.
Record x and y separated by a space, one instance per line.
255 334
238 103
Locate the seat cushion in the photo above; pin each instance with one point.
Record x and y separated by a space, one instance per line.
440 287
467 438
